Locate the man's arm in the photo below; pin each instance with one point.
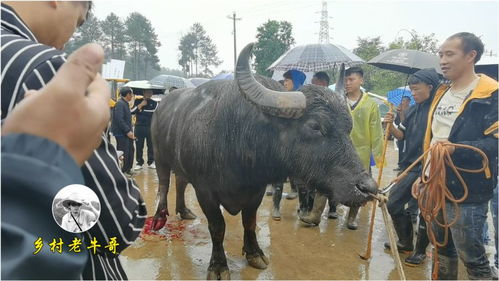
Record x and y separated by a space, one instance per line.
27 217
123 210
121 116
396 132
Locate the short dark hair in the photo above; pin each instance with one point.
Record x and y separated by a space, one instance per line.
354 69
321 75
470 42
125 91
287 75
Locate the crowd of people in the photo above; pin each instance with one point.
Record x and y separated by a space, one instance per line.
55 111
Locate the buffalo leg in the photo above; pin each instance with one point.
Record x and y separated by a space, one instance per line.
218 268
163 172
185 213
251 249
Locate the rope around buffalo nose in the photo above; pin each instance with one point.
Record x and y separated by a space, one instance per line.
432 193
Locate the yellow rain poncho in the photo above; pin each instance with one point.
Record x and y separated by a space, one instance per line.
367 133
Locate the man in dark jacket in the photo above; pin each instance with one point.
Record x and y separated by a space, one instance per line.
465 112
143 110
121 127
411 130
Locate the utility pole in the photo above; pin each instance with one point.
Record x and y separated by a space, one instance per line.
324 25
233 18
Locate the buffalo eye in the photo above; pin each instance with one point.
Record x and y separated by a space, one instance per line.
314 128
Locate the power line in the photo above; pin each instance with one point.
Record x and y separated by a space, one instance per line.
233 18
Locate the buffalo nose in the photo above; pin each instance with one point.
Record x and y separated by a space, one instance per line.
367 184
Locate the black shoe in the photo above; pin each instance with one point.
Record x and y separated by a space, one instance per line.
415 259
400 247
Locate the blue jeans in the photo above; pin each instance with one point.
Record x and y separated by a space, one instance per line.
465 238
493 209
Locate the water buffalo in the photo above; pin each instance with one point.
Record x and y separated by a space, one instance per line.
231 138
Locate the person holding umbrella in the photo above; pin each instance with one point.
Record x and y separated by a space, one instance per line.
143 110
423 85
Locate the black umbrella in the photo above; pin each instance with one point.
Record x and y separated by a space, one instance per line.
406 61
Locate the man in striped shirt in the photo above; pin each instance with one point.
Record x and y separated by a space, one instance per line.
32 35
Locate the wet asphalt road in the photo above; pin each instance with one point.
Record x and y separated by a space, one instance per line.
329 251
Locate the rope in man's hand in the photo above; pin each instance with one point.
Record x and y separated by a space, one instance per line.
432 193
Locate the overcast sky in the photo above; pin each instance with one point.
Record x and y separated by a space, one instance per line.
348 19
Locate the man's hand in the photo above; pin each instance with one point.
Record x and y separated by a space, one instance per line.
142 104
71 110
130 135
389 117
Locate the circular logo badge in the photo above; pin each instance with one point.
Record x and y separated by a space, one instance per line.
76 208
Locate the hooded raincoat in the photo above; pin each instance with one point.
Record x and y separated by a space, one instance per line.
367 133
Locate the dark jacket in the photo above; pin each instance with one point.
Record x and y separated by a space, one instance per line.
414 128
144 116
122 119
416 118
34 169
475 125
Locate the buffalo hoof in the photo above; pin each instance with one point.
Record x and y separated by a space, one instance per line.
257 261
159 220
220 273
186 214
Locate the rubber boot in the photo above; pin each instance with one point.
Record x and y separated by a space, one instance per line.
276 199
447 269
314 216
332 214
403 227
352 218
419 255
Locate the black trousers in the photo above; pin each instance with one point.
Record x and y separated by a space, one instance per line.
143 134
401 195
125 144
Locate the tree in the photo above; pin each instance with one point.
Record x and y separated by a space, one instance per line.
197 49
143 44
420 42
273 39
375 79
89 32
114 36
368 48
381 81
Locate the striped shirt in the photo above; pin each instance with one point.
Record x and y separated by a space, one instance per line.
29 65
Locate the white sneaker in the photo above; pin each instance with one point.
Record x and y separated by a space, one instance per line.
153 165
138 167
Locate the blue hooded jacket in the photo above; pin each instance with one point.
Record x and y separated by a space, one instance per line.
298 78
